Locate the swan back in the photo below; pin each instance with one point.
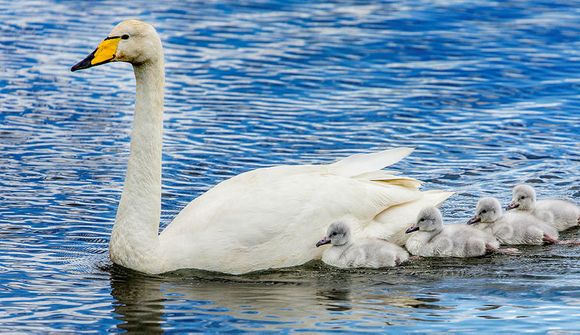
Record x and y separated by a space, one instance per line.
271 217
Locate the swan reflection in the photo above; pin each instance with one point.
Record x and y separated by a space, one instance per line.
305 298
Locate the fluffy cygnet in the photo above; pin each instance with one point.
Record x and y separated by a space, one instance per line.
434 239
560 214
365 253
511 228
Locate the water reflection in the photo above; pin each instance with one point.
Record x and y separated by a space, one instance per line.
316 297
310 298
139 302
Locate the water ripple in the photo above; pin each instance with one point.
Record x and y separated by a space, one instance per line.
485 90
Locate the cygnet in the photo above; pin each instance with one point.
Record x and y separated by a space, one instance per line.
364 253
511 228
560 214
431 238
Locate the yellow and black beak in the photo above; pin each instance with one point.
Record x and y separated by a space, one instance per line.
104 53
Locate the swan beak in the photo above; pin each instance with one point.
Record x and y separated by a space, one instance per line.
324 241
411 229
104 53
512 205
474 219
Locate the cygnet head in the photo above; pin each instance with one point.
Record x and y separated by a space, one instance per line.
523 197
338 234
131 41
488 210
429 219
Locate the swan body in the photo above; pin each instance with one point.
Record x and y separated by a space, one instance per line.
347 252
560 214
511 228
431 238
262 219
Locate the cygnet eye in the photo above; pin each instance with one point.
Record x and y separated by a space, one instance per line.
522 197
125 37
484 211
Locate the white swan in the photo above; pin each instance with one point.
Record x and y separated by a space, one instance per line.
347 252
266 218
431 238
560 214
511 228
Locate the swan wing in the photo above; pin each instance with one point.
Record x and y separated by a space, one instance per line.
361 163
273 217
391 223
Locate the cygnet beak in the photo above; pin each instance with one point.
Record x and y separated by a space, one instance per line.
411 229
324 241
474 219
512 205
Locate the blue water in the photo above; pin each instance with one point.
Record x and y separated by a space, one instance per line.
488 93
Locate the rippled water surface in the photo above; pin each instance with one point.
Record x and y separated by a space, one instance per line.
487 91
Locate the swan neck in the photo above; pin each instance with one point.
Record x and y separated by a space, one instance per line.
134 239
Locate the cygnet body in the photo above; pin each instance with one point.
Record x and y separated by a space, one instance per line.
364 253
560 214
431 238
511 228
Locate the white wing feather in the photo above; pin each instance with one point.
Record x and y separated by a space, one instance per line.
273 217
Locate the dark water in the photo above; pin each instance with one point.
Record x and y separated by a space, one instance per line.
487 91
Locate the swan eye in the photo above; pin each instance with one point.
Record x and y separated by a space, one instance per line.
522 197
125 37
484 211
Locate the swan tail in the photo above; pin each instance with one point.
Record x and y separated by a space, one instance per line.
389 178
391 223
363 163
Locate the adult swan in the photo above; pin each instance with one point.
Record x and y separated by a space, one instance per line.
262 219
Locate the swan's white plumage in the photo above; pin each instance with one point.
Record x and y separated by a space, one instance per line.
266 218
279 211
403 215
364 163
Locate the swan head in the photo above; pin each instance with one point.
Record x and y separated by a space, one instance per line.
338 234
429 220
523 197
488 210
131 41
